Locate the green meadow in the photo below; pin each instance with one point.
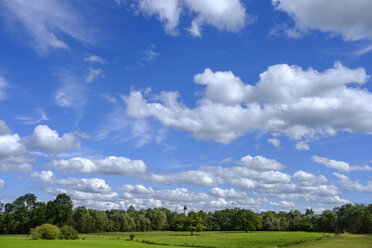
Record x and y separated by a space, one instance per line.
202 239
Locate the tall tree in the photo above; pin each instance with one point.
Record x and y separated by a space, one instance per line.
60 210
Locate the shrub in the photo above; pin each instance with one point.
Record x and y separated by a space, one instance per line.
132 236
45 231
68 232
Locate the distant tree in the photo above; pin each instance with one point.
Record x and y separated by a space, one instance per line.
270 221
246 220
309 212
143 224
328 221
195 222
157 219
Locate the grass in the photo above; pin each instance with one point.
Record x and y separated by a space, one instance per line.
203 240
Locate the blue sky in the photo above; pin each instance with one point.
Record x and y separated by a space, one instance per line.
264 105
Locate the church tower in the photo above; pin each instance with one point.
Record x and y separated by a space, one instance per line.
185 210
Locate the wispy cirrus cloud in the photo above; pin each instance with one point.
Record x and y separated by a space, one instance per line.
340 165
46 20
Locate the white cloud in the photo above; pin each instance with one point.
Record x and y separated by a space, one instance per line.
350 185
329 163
259 175
33 121
2 184
301 104
194 177
275 142
283 204
263 179
302 145
227 193
308 179
110 165
13 154
226 15
72 92
4 129
167 12
260 163
109 98
95 59
83 196
93 74
45 20
90 192
3 86
89 185
48 140
150 54
340 165
350 19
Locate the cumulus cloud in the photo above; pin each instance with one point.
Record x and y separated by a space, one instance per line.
275 142
48 140
146 197
84 196
301 104
259 175
46 20
4 129
110 165
167 12
227 193
350 19
340 165
283 204
225 15
90 192
302 145
350 185
309 179
194 177
89 185
13 154
260 163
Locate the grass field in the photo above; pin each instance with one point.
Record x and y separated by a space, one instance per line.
203 239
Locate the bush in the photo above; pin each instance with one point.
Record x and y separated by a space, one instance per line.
68 232
132 236
46 231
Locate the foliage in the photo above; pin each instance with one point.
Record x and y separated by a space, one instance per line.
26 212
68 232
45 231
195 222
132 236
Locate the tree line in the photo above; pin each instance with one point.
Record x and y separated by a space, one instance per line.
27 212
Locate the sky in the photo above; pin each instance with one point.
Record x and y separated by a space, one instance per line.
263 105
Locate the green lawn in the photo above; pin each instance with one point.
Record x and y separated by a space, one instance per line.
203 239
